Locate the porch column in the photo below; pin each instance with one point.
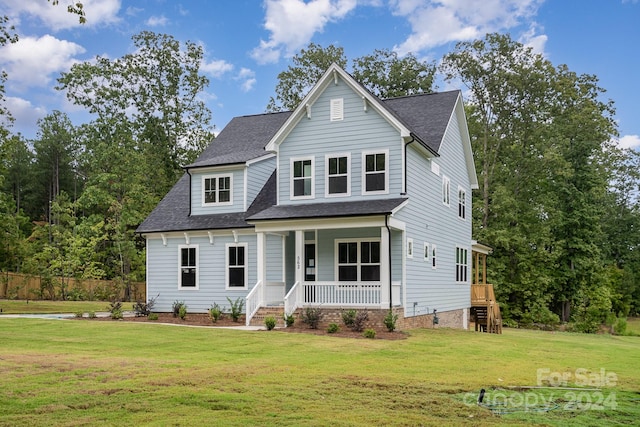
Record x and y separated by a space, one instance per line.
299 256
385 268
261 260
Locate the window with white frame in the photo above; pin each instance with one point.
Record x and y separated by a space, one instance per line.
338 181
409 248
236 265
358 260
462 265
425 252
462 203
434 263
188 267
375 172
216 190
302 178
446 189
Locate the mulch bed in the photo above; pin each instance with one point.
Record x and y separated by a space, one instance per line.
203 320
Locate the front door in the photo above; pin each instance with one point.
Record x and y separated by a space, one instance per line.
310 271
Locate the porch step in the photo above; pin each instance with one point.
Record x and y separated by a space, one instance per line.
263 312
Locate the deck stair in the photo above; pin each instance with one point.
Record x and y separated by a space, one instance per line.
485 310
277 311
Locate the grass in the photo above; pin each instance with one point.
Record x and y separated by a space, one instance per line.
633 325
48 307
72 372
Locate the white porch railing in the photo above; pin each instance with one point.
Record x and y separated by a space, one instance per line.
342 293
293 299
254 301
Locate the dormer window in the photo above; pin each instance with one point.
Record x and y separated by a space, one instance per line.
216 190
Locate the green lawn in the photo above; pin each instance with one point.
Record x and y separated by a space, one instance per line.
81 372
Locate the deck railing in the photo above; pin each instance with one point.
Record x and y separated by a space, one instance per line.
342 294
482 294
292 300
254 300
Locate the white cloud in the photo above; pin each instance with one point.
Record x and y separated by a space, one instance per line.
56 17
435 23
248 79
26 115
629 141
157 21
292 24
216 68
31 61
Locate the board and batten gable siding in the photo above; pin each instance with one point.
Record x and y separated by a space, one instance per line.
429 220
257 175
163 269
318 136
238 191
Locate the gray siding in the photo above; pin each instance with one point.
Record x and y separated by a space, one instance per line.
429 220
274 258
257 174
237 198
163 270
318 136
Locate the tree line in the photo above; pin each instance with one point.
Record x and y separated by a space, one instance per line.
557 200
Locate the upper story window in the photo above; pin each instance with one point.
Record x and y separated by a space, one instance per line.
409 247
375 172
446 190
434 258
217 190
338 180
337 110
188 274
462 203
302 178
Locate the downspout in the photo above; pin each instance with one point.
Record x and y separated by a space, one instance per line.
404 193
386 224
188 173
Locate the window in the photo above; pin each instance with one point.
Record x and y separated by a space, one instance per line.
462 266
409 248
302 178
337 110
425 253
434 263
338 182
237 265
375 177
188 275
216 190
446 184
358 261
462 203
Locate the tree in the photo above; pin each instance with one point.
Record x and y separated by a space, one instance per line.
76 8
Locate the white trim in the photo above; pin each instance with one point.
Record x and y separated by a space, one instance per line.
364 172
336 109
211 236
245 188
462 202
180 266
187 239
410 247
326 175
446 191
358 264
273 226
217 178
261 158
434 257
245 245
426 252
465 264
292 161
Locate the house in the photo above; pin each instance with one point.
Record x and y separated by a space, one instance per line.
348 201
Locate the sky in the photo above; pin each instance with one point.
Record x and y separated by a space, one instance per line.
248 42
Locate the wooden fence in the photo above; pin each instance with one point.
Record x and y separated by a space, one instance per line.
22 286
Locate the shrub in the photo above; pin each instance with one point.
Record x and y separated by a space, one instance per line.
78 314
115 309
182 312
620 326
236 308
270 322
333 328
390 321
369 333
289 320
311 316
349 317
215 312
143 309
175 308
92 315
153 316
359 321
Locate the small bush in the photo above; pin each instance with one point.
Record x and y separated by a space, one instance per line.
215 312
312 316
289 320
142 308
115 309
236 308
390 321
333 328
369 333
359 321
175 308
153 316
270 323
78 314
182 312
92 315
620 326
349 317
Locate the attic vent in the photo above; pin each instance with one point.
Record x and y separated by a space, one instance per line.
435 168
337 109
